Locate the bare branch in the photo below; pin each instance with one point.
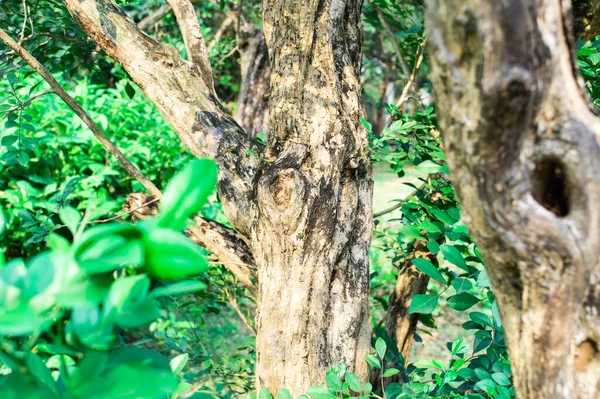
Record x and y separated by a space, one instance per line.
158 15
192 36
227 245
226 23
411 79
233 303
74 105
388 30
183 94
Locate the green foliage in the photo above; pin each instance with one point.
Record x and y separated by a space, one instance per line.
588 60
72 301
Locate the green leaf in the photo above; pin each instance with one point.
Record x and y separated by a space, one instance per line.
380 348
284 394
423 303
353 382
23 158
9 140
429 167
171 255
461 285
373 361
485 385
129 373
433 246
390 372
179 288
425 266
462 301
317 392
411 231
70 217
443 216
366 124
186 193
483 280
3 221
480 318
454 256
178 363
129 90
501 379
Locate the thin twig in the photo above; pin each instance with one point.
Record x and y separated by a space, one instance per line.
23 104
409 83
125 213
226 22
235 306
388 29
24 21
53 36
398 205
74 105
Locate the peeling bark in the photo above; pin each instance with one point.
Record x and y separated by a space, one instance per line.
524 154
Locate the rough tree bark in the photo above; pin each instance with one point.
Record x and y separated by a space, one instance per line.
524 154
252 111
303 201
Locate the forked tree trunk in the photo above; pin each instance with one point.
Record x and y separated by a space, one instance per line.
524 154
303 202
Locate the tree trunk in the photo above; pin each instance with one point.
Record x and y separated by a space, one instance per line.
398 323
524 154
303 201
252 111
311 243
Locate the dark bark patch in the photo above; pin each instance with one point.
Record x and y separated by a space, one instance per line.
550 186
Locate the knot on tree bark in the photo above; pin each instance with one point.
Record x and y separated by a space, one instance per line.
281 196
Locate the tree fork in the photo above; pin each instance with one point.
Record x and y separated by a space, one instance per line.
524 154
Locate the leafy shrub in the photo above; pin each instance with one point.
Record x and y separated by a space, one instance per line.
69 303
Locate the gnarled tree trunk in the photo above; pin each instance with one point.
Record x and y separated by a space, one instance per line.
303 201
311 242
524 154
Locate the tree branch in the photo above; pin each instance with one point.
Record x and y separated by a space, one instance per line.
193 39
388 30
183 95
74 105
228 246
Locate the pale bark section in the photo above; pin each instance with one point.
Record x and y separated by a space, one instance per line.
181 91
524 154
315 200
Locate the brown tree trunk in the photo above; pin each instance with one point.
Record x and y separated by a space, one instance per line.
252 111
303 201
398 323
311 243
524 154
